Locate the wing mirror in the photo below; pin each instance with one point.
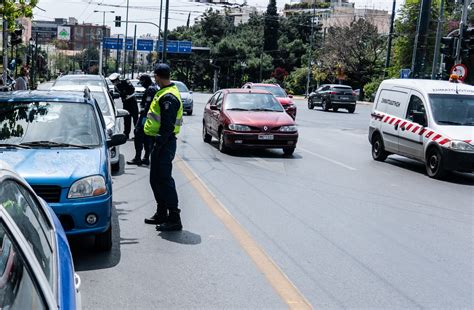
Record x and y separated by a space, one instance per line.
114 94
290 96
419 118
122 113
117 139
213 107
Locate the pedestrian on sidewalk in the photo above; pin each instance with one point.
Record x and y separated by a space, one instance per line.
141 140
163 123
127 94
21 83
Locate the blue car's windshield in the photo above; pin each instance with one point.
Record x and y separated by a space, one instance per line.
59 123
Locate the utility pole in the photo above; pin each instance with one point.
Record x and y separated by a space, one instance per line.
419 48
462 28
134 50
159 32
5 51
118 54
390 37
125 45
103 36
310 57
438 41
165 35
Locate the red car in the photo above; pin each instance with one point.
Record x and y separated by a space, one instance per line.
285 99
248 118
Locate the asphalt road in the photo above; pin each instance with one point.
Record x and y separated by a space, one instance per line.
345 231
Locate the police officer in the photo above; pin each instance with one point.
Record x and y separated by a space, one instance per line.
141 140
127 94
164 120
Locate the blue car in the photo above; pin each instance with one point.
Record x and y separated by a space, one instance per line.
36 267
57 141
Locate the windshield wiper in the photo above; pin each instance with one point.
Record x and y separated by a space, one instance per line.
449 123
237 109
54 144
10 145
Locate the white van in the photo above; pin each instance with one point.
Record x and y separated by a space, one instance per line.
430 121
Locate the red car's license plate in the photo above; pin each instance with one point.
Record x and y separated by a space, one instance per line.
265 137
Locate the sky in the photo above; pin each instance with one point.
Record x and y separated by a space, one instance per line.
148 10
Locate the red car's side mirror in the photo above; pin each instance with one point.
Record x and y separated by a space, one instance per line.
213 107
290 96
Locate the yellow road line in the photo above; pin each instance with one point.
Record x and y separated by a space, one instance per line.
277 278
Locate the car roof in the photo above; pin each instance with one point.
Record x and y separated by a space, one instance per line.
44 95
263 84
82 76
430 86
78 88
245 91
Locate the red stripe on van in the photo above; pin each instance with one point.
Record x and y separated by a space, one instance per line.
415 129
436 137
409 126
391 121
443 142
429 134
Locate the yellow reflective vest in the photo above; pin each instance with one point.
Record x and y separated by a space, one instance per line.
153 118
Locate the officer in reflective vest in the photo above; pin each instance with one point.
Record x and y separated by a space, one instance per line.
164 120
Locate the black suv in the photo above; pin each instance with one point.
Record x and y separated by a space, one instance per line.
333 96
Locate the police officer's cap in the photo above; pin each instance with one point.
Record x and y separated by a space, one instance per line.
114 76
162 70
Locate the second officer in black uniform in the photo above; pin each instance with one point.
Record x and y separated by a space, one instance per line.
127 94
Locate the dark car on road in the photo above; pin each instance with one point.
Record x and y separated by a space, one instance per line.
285 99
333 96
248 118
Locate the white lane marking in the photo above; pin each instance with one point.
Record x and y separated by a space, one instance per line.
328 159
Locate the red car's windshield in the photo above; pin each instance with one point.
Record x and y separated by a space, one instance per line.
275 90
252 102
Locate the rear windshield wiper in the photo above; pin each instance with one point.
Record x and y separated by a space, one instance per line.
449 123
54 144
10 145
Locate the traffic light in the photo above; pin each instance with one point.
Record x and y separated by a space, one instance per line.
16 37
467 42
118 20
449 48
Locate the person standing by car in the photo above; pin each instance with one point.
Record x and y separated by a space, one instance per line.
127 94
141 140
21 83
164 120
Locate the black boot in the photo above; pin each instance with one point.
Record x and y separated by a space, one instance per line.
173 223
146 161
135 161
160 217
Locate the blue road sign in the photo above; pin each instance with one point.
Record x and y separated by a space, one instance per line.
185 46
405 73
176 47
113 43
144 45
129 44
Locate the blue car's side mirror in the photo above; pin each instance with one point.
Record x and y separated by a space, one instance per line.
117 139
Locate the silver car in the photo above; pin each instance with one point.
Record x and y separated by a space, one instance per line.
186 97
112 115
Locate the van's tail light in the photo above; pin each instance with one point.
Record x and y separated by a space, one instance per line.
332 93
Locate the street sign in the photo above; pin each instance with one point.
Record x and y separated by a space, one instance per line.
113 43
460 70
129 44
405 73
144 45
64 33
185 46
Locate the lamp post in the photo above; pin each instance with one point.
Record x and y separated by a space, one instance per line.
103 36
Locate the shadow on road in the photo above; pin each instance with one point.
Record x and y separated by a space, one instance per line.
181 237
87 258
415 166
262 153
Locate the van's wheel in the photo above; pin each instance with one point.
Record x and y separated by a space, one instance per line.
335 109
310 104
351 109
378 150
103 241
324 105
116 166
205 136
222 146
434 164
190 112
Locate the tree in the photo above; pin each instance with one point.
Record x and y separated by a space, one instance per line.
356 51
11 10
270 33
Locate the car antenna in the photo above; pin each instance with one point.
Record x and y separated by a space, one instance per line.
457 92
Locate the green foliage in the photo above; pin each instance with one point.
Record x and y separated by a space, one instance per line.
271 81
272 24
296 82
370 89
11 10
